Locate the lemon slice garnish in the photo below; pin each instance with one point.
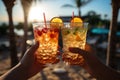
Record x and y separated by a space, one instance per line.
56 22
76 22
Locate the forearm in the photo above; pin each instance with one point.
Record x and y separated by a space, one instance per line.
16 73
101 71
94 66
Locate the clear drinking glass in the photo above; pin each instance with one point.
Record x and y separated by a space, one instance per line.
73 35
47 36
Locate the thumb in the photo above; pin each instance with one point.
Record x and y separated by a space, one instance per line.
33 48
29 55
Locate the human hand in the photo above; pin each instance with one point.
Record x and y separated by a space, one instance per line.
88 54
29 62
94 66
26 68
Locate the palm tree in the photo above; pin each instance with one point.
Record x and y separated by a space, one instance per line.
78 4
105 16
112 35
13 51
93 18
26 4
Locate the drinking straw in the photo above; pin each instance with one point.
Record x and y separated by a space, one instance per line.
72 14
44 19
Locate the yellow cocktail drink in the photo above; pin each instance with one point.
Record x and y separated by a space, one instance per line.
73 36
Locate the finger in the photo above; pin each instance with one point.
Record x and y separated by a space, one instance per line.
77 50
89 49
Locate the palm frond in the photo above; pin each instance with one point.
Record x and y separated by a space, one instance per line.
68 5
84 2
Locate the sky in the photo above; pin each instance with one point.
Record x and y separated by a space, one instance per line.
52 8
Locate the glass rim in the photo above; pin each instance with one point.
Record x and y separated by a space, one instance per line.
76 22
81 25
64 23
56 22
47 23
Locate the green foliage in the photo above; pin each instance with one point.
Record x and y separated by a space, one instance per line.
78 4
3 29
95 19
19 26
30 28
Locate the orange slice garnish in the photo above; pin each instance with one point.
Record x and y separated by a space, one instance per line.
76 22
78 38
56 22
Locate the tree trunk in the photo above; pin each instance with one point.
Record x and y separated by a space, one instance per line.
111 51
13 50
24 47
26 7
79 12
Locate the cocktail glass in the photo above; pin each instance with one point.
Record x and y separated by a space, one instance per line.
73 35
47 36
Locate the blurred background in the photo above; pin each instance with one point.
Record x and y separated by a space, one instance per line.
16 35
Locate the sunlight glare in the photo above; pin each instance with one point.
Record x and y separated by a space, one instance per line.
35 14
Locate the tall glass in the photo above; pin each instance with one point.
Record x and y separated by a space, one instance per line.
47 36
73 35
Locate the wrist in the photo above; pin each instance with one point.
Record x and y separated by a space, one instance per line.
23 71
16 73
